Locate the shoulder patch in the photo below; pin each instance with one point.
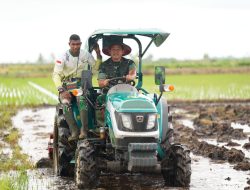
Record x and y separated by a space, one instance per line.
58 61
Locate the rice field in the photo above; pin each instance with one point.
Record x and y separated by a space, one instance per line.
204 86
18 91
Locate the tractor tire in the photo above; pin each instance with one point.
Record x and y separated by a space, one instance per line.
61 157
86 171
176 167
55 148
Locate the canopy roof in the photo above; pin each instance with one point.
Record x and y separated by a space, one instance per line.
146 32
158 36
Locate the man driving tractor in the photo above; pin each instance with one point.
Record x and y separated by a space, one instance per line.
116 65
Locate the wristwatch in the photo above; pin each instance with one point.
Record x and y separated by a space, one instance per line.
60 89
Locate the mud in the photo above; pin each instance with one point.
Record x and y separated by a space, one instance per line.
244 166
44 163
231 143
205 175
246 145
35 125
217 134
216 123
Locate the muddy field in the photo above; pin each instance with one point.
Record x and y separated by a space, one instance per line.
217 134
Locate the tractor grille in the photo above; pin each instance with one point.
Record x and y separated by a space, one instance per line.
139 122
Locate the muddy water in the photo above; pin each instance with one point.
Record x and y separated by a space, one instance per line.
35 125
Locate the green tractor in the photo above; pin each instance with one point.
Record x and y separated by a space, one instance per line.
137 134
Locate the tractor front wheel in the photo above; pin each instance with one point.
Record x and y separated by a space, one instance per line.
86 171
176 166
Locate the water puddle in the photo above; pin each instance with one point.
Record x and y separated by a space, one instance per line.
211 175
246 128
36 124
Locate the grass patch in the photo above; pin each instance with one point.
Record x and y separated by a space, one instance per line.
16 160
202 63
26 70
13 137
188 87
5 114
14 181
18 92
205 86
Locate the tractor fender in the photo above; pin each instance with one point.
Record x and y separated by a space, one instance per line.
165 123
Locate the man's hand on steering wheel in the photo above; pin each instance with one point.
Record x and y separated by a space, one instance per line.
106 82
116 80
130 80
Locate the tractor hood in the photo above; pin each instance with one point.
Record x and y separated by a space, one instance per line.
125 100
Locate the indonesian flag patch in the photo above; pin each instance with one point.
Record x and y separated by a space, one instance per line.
59 62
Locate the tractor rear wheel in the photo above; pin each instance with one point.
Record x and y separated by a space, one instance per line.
55 148
86 171
61 155
176 166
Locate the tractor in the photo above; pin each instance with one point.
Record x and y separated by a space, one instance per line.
137 133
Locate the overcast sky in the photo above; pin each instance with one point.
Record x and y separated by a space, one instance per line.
219 28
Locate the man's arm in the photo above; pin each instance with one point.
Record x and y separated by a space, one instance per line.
131 75
95 64
58 73
132 71
102 77
103 82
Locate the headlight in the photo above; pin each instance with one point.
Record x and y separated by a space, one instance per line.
166 88
151 121
77 92
126 120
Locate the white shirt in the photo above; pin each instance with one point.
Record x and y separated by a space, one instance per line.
70 66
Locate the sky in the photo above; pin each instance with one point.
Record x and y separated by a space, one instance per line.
219 28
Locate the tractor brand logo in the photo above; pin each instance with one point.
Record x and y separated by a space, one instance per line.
139 118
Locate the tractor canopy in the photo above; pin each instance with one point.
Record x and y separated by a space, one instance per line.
155 36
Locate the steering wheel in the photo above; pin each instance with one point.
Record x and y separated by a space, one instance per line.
119 80
116 80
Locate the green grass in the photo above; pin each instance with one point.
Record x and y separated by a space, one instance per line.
14 181
210 86
202 63
46 83
17 91
16 160
26 70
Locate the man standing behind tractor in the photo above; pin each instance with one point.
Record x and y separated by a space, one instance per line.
68 68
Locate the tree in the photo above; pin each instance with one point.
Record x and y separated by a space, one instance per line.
40 59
